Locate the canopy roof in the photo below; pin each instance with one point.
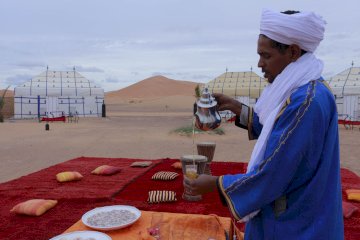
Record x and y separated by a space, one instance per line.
59 83
346 83
237 84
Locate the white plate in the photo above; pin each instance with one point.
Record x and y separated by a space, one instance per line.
82 234
108 209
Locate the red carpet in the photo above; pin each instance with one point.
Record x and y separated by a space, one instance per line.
131 187
53 119
352 225
136 194
75 198
44 184
52 223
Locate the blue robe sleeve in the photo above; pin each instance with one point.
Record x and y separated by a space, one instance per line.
249 120
290 149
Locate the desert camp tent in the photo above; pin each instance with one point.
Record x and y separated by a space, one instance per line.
57 93
346 88
243 86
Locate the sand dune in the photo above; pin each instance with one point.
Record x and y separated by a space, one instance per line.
155 94
9 93
154 87
7 110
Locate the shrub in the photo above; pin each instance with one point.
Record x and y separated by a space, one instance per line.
188 131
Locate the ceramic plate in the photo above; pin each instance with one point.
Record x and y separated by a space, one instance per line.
105 212
82 235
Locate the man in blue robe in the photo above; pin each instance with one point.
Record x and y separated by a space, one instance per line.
292 187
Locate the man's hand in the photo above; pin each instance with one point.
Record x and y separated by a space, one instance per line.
203 184
227 103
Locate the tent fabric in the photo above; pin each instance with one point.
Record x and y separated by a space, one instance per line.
58 93
346 83
236 84
346 88
59 83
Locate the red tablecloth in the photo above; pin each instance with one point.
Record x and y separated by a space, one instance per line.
132 188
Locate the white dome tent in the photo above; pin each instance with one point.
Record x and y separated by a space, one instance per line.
243 86
58 93
346 88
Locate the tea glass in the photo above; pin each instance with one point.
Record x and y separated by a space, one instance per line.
192 166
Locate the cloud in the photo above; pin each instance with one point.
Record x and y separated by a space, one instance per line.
202 77
162 74
18 79
32 64
80 68
112 80
131 40
185 76
340 36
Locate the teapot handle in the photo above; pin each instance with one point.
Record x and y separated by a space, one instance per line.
198 124
195 108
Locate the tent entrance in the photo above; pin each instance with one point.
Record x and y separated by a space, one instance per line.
52 107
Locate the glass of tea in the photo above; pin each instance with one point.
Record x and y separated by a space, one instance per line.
192 166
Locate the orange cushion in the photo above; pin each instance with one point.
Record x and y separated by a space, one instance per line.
353 194
68 176
34 207
177 165
106 170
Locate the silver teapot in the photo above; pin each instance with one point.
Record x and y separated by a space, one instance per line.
207 116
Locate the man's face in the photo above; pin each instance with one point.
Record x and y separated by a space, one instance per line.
271 61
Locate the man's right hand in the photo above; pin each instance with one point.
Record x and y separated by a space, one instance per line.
227 103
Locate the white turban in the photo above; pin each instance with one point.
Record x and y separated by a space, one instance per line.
305 29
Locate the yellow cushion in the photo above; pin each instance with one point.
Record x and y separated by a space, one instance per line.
68 176
106 170
34 207
353 194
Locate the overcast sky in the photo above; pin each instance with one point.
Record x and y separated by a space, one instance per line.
116 43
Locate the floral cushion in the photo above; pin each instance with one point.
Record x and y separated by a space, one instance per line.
164 175
68 176
353 194
141 164
106 170
161 196
34 207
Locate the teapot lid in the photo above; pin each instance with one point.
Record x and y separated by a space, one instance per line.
206 100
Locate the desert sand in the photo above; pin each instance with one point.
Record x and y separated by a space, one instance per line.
136 126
